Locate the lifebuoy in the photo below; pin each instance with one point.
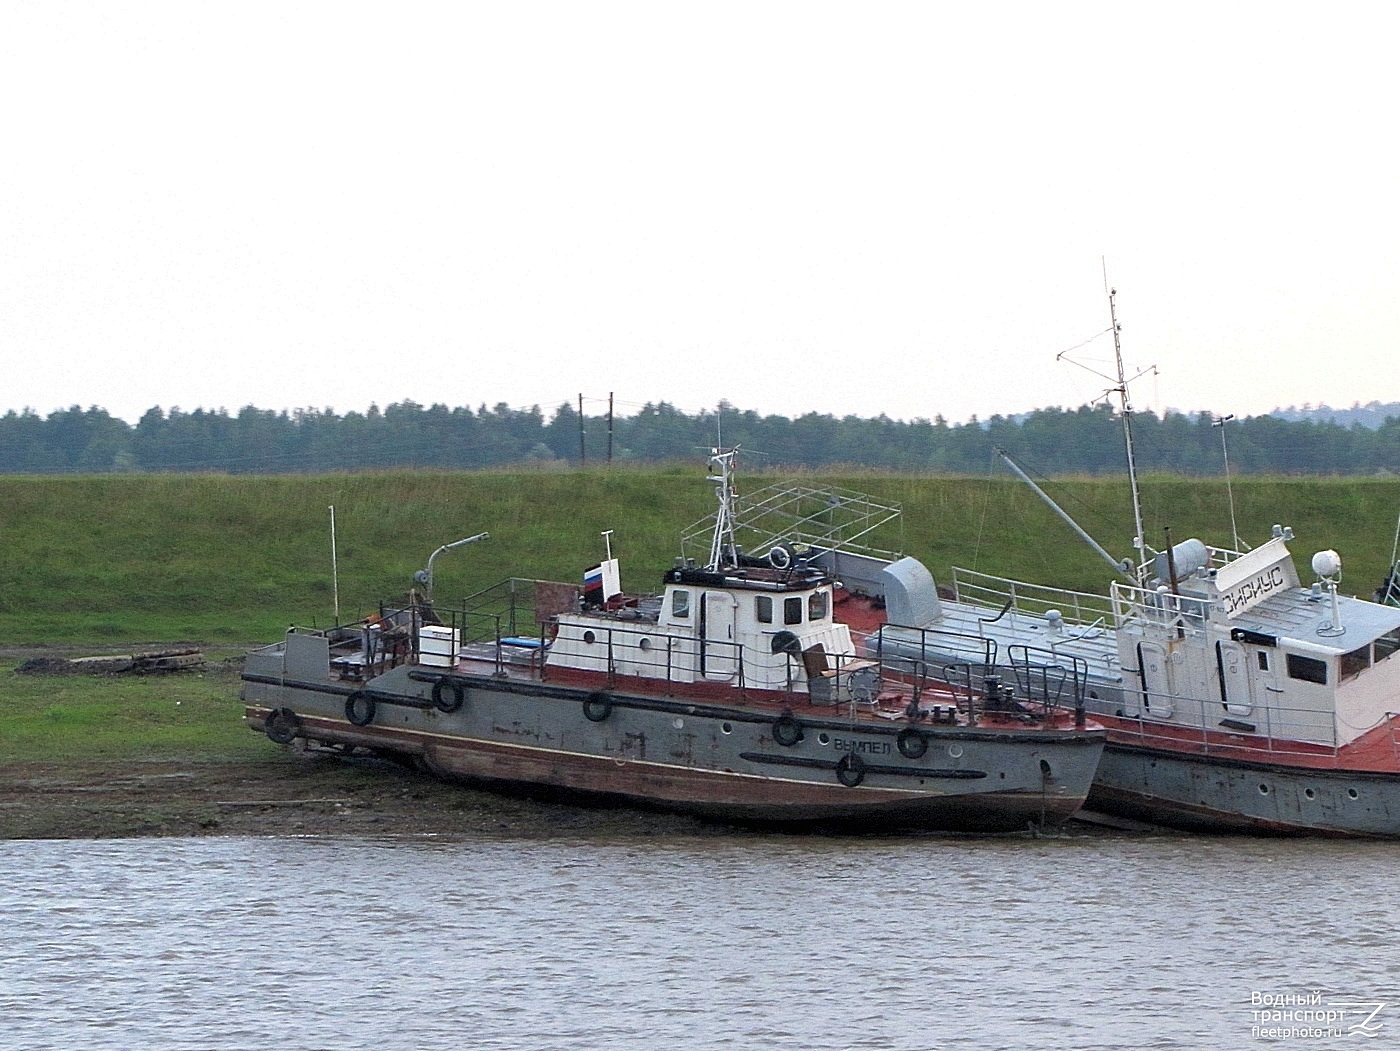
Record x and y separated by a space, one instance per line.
912 743
786 642
282 725
597 707
850 770
787 731
448 695
359 708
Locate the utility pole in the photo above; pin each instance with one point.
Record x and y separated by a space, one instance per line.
582 456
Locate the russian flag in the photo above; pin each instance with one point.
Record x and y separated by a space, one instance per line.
593 585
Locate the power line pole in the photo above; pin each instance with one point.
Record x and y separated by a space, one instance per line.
582 455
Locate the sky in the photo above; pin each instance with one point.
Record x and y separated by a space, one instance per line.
906 209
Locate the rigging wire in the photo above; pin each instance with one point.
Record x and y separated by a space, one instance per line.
986 503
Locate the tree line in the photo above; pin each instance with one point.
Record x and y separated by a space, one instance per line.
1087 440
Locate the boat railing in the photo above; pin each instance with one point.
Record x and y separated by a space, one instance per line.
514 607
622 648
1272 732
967 667
1217 558
1159 607
932 645
1388 594
1003 597
1056 680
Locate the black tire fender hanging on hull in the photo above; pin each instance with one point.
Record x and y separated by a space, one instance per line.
912 743
850 770
448 695
597 707
787 731
359 708
282 726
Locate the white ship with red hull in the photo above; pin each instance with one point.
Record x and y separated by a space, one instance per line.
1241 699
1237 696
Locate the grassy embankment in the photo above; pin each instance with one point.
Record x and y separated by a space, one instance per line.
107 561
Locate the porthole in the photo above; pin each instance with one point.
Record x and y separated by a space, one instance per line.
823 738
955 750
726 728
1309 793
644 645
678 723
1263 789
589 638
1351 793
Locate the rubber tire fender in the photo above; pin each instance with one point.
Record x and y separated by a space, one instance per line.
787 731
597 707
282 726
850 770
359 708
448 695
912 743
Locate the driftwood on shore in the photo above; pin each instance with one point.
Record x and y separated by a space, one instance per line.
149 663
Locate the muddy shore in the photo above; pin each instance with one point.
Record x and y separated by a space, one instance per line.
286 794
282 790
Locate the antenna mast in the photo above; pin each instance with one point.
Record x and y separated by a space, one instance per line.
1138 540
1220 422
722 549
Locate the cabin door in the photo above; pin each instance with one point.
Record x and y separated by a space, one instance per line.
1154 664
719 655
1236 686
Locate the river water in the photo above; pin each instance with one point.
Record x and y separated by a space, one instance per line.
678 941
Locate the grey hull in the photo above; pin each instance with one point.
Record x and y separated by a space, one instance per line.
720 761
1202 794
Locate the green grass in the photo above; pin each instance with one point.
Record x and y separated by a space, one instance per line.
216 558
110 560
188 716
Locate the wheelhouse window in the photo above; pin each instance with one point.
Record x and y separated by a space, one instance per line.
680 603
1308 669
817 604
1387 644
792 610
763 608
1355 662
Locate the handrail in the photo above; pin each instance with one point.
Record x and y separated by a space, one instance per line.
1204 737
985 589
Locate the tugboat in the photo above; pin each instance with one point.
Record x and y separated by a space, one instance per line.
734 694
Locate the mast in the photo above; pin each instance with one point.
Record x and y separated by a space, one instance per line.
1139 542
722 543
